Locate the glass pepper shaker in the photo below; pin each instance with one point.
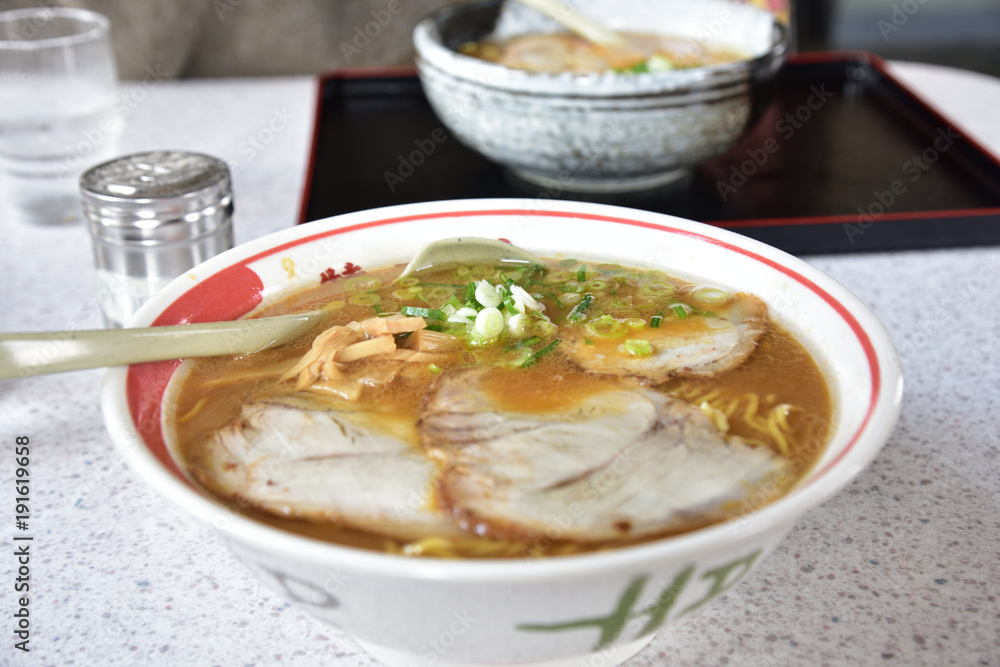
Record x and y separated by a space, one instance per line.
153 216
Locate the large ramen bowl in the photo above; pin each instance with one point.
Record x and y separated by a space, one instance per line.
611 132
545 611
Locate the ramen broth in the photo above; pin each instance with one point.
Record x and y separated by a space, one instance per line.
566 52
776 398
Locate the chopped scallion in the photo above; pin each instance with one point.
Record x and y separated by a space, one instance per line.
470 295
658 63
570 299
364 299
521 344
415 311
490 323
533 358
481 271
657 289
711 294
606 326
581 273
509 304
637 347
579 310
488 295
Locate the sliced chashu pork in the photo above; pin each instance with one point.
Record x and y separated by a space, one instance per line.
298 458
620 461
698 346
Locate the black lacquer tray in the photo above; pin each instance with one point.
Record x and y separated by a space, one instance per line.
844 158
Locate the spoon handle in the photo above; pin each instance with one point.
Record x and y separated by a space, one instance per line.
568 17
27 354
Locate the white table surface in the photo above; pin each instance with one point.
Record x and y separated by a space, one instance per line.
902 567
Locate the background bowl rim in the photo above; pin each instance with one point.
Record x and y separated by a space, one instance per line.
431 51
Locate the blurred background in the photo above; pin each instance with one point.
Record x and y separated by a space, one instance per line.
218 38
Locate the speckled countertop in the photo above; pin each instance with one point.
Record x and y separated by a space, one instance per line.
902 567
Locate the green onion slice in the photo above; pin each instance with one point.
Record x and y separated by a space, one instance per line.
657 289
470 295
533 358
490 323
579 310
403 294
488 295
570 299
430 313
481 271
636 347
365 299
606 326
711 294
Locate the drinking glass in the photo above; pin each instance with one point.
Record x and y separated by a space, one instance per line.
58 82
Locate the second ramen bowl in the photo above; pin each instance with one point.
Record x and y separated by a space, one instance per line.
601 607
611 132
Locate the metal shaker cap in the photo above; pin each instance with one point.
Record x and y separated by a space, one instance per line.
157 196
